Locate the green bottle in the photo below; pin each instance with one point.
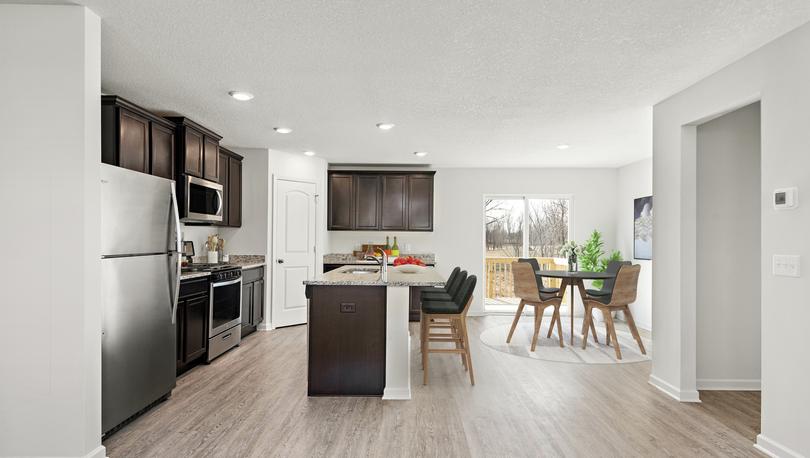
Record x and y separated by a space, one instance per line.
395 248
387 247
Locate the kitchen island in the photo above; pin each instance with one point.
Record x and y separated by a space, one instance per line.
358 335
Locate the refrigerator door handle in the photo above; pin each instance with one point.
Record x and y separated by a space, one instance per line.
177 250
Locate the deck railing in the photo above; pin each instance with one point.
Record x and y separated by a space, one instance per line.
499 281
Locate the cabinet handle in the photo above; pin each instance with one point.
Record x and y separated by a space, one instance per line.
227 335
280 261
347 307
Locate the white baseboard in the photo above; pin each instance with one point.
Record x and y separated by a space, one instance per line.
774 449
729 384
98 452
674 392
396 394
264 326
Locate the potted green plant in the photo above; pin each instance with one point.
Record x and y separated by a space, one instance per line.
592 257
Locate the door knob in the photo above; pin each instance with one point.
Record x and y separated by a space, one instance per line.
280 261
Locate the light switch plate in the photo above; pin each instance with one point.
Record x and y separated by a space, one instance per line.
786 265
786 198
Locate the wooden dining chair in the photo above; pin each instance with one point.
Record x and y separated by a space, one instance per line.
451 315
526 289
624 294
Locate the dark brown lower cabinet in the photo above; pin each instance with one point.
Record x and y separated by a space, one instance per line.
346 340
252 299
192 323
415 305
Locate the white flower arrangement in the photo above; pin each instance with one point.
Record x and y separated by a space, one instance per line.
570 248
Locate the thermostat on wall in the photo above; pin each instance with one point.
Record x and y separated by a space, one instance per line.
786 198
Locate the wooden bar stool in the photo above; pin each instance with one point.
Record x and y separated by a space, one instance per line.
450 315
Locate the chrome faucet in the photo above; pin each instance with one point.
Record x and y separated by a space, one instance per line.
383 262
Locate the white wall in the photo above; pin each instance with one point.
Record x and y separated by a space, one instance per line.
778 74
458 227
50 86
635 180
728 247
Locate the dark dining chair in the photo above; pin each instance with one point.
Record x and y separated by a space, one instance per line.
607 286
540 286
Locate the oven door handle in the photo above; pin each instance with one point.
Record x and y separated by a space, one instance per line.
226 283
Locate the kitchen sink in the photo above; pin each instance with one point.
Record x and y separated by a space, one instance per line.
362 271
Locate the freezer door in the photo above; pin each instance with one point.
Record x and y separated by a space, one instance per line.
136 213
138 335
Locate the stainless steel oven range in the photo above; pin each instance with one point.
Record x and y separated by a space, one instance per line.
225 310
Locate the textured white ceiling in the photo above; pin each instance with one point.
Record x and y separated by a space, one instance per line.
474 83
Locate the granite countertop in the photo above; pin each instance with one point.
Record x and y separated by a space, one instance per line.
240 260
340 277
349 258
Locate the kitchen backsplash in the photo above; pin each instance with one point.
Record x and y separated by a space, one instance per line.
409 242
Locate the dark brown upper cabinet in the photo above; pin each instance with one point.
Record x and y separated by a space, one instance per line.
340 201
197 149
394 203
366 202
385 201
162 151
420 202
230 177
136 139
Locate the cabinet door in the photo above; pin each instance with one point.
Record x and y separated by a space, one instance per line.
258 302
193 160
195 328
234 192
211 159
366 202
420 202
223 180
340 202
247 304
162 156
394 202
180 331
133 146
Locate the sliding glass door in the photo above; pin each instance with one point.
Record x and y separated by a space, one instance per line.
521 227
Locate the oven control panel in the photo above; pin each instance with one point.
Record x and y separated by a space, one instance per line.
226 275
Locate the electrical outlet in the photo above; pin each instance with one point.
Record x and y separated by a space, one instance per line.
786 266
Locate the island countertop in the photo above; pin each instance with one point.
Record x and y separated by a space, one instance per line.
342 277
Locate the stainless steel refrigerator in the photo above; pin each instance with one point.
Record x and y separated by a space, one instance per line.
140 264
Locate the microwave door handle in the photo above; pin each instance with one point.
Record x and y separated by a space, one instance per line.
178 265
220 199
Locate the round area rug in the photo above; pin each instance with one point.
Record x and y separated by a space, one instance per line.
548 349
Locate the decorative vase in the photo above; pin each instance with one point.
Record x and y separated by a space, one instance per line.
572 263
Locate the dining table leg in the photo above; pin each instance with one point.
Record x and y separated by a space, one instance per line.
574 282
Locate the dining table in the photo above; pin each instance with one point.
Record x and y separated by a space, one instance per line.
574 279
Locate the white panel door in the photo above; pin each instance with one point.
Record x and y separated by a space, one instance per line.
293 250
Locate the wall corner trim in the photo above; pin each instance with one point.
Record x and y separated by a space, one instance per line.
98 452
729 384
674 392
774 449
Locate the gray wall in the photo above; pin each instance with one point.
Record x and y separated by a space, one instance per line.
728 251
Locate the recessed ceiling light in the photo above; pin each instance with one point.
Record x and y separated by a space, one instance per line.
309 153
385 126
563 146
420 153
282 130
241 96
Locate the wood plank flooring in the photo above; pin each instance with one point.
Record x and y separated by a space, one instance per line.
252 402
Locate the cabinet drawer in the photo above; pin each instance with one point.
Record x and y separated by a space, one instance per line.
193 287
251 275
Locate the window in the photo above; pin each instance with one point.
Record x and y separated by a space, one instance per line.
521 227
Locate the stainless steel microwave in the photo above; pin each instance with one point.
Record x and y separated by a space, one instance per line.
202 200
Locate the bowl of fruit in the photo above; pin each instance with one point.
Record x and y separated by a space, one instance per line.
408 265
